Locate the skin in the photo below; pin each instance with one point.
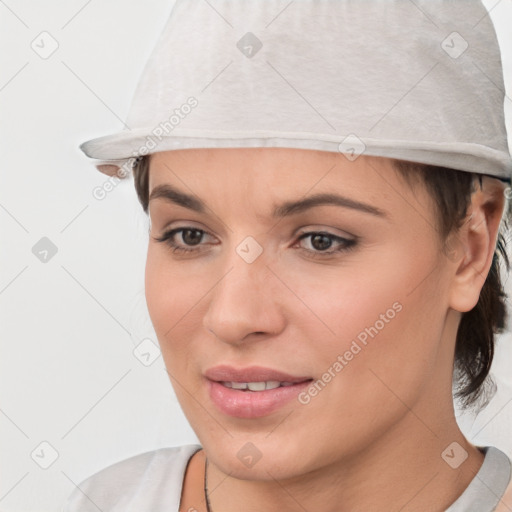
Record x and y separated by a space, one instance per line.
372 438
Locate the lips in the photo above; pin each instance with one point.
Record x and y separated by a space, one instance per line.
226 373
253 391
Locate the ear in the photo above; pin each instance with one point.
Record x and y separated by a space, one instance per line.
475 244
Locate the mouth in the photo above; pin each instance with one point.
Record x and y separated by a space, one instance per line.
256 386
252 392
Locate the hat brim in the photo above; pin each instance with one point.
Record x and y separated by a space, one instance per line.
116 150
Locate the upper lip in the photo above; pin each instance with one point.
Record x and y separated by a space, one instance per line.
226 373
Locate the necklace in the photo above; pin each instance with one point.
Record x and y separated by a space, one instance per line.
208 508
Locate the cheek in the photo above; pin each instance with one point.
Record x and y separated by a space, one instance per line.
160 295
175 297
378 328
169 294
170 290
169 298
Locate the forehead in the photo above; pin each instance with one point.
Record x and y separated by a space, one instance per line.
280 167
269 181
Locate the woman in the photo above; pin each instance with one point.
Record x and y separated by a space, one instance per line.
325 183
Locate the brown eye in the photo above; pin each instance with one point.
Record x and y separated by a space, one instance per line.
321 241
190 237
193 239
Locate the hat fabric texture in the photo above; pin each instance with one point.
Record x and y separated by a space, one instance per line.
419 81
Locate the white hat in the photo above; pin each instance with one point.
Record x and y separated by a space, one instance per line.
413 80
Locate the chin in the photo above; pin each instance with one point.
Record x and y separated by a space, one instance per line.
256 456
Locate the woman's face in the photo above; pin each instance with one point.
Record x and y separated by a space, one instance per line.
303 268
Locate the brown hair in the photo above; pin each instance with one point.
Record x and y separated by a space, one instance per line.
451 191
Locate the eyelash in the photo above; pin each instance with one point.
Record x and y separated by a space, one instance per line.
347 244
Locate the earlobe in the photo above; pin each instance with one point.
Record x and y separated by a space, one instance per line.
476 243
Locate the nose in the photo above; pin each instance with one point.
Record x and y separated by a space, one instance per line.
245 304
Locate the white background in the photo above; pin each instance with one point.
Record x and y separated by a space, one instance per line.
68 327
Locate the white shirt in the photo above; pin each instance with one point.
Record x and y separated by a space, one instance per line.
153 481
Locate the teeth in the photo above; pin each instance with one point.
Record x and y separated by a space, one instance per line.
256 386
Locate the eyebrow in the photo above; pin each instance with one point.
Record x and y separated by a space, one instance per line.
176 196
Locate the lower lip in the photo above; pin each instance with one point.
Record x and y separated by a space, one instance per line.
252 404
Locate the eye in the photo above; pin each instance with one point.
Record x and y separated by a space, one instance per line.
322 241
190 237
